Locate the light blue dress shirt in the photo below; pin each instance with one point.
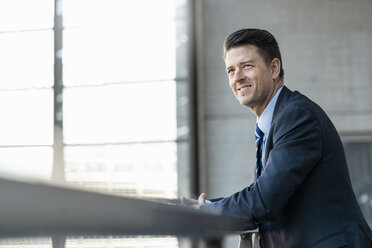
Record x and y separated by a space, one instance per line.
264 121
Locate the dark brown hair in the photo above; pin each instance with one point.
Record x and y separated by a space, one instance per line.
265 42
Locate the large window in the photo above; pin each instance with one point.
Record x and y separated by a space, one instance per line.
359 159
118 72
26 94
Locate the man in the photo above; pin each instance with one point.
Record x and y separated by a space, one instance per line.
302 194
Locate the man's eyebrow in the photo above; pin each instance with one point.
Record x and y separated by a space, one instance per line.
242 63
247 61
228 68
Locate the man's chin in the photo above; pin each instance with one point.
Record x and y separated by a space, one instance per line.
245 103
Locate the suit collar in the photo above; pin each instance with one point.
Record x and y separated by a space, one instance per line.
264 121
280 103
282 100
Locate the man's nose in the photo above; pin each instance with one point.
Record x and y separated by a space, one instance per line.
239 76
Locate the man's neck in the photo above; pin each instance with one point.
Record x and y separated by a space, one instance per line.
277 86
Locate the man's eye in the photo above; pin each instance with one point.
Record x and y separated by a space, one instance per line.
230 71
247 66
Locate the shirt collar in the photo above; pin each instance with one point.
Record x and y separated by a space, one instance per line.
264 121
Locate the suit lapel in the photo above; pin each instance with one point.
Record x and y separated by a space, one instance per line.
280 103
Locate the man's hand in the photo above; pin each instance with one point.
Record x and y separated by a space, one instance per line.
192 202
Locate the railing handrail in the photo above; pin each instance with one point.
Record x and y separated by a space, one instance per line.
44 209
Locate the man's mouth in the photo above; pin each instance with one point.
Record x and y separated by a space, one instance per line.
245 87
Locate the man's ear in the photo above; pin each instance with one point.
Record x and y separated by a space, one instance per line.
275 68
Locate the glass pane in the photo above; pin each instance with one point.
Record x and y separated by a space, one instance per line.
26 14
140 52
26 162
115 11
359 159
26 59
26 117
120 113
146 170
163 242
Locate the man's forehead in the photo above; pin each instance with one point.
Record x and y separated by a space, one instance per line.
241 54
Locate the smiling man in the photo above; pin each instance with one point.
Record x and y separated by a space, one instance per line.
253 80
302 194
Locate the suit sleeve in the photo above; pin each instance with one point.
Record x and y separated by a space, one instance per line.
297 148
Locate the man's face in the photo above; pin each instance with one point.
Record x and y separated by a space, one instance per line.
251 80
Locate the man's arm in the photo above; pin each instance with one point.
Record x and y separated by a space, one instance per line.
297 148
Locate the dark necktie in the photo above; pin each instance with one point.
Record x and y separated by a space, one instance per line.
259 142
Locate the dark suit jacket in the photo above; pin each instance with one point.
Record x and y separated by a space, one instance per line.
304 196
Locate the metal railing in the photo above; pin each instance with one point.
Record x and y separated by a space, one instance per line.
42 209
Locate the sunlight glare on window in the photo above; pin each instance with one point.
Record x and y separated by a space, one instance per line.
140 170
118 41
116 12
26 162
20 15
26 117
142 52
132 112
116 242
26 60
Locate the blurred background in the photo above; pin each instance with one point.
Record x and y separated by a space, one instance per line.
130 97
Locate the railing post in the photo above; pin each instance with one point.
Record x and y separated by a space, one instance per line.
213 243
59 241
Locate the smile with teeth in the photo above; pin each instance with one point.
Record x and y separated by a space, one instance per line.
245 87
